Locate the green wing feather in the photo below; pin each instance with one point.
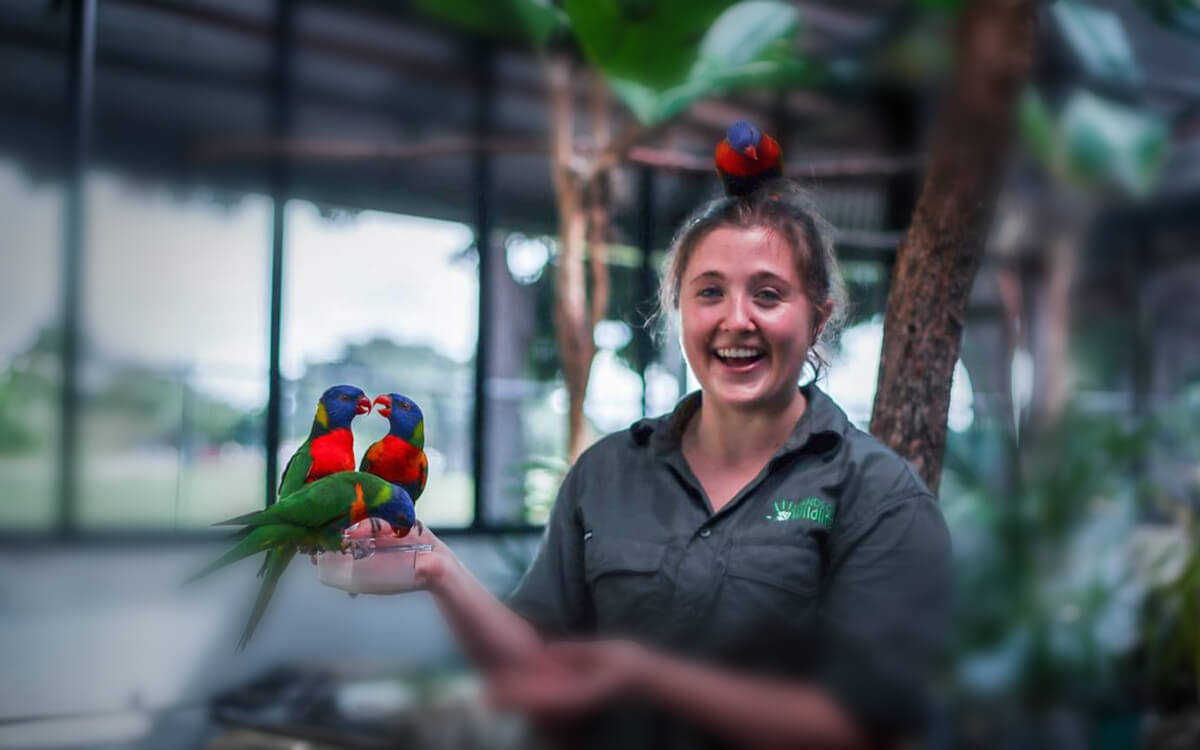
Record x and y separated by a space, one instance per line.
296 471
258 540
279 558
316 505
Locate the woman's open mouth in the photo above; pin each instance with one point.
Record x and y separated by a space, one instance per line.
739 358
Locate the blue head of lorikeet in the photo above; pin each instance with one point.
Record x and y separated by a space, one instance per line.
404 417
744 137
746 158
399 511
341 404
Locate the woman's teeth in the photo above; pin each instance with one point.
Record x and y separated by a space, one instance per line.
738 355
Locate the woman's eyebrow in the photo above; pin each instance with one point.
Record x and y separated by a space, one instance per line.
768 276
714 275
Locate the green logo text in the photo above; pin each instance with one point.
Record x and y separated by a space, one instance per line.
809 509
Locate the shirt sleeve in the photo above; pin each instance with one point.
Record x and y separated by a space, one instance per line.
553 594
884 614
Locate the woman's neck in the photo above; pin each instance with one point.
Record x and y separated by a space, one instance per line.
734 437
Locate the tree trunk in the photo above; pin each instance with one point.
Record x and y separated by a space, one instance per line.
937 261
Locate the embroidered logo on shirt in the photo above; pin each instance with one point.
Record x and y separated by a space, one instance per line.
809 509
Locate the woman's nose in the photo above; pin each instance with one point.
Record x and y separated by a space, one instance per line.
739 315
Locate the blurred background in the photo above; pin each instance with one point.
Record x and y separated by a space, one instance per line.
210 211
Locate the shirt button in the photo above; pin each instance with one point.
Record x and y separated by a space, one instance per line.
705 533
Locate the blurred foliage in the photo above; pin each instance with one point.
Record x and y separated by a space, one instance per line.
1076 584
748 46
1181 15
539 478
1097 39
534 20
1095 143
651 42
659 57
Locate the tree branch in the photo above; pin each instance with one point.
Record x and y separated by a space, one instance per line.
937 262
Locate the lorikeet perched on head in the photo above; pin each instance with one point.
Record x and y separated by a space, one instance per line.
330 444
746 158
399 456
311 519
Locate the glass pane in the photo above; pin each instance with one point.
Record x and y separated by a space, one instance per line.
526 387
31 214
388 303
174 371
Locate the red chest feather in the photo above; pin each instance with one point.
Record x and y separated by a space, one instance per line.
396 460
331 453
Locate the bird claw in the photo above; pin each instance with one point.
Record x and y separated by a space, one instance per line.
375 525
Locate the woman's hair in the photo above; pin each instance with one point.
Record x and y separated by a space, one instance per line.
782 207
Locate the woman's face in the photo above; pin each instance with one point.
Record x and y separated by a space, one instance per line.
747 324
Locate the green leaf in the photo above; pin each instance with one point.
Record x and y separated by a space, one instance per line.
1104 141
475 16
644 102
1097 39
1036 125
650 42
533 21
540 19
745 33
748 46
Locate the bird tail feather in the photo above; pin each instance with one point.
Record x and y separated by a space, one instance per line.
241 520
279 560
249 545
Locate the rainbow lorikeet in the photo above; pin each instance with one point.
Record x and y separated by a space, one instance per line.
311 519
746 158
399 456
330 444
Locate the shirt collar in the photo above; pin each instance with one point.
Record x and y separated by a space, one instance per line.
821 427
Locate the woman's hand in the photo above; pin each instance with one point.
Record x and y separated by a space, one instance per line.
430 569
573 677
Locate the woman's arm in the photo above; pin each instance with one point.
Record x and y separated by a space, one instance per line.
751 711
489 632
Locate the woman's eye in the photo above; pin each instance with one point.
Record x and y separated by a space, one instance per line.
709 291
768 294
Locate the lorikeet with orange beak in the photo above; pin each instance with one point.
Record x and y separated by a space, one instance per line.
311 519
330 444
399 456
746 158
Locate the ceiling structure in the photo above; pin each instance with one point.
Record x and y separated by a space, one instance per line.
185 90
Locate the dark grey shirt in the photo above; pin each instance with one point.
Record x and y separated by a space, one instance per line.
830 567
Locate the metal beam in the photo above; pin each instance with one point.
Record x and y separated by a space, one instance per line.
79 105
485 106
283 55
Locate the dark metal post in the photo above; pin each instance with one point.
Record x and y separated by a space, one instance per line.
482 180
281 127
79 106
646 276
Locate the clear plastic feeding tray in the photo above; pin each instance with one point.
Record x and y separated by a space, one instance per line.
366 567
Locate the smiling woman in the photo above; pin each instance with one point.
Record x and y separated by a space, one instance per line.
693 544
